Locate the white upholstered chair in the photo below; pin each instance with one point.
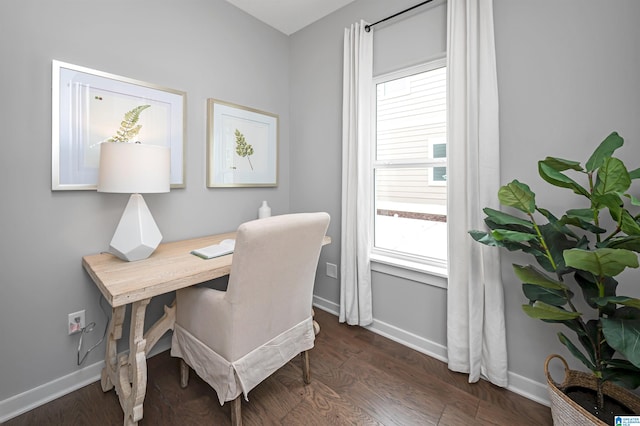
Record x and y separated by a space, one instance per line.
235 339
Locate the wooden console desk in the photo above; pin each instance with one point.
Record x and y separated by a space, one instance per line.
171 267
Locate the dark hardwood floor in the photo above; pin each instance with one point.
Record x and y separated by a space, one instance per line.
358 378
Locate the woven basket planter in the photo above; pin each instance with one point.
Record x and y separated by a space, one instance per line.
565 411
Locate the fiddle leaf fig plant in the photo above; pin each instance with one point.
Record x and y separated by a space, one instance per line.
128 126
580 252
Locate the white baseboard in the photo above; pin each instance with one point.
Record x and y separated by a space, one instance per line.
326 305
521 385
33 398
47 392
413 341
528 388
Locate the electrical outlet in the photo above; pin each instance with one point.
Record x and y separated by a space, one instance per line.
332 270
75 323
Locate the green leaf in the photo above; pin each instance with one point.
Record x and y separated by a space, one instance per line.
626 313
611 200
583 214
612 177
555 226
543 311
622 372
518 195
502 218
622 364
492 225
631 242
576 326
623 336
514 236
628 224
558 225
583 224
559 179
575 351
591 291
533 248
488 240
546 213
603 151
634 174
530 275
634 200
546 295
483 238
602 261
560 164
617 300
557 242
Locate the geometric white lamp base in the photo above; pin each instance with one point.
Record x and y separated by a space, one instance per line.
137 234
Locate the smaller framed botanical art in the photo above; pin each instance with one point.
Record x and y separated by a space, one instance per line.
242 146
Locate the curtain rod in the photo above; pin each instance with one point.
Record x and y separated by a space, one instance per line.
367 28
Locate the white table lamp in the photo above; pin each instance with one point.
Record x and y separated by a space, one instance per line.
134 168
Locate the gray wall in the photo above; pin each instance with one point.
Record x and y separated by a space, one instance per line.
567 76
206 48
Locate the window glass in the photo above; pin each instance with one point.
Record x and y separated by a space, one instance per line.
439 150
440 174
410 166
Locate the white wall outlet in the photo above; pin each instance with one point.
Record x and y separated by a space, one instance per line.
75 323
332 270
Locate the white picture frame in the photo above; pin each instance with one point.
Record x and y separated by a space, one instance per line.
242 146
88 107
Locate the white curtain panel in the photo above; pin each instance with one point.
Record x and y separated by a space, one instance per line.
355 265
476 340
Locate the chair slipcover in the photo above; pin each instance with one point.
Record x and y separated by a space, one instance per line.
235 339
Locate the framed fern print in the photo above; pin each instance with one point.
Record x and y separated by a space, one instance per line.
242 146
88 108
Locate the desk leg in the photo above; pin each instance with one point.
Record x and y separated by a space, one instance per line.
111 357
128 373
133 381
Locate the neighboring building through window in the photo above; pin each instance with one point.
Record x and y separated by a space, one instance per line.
410 165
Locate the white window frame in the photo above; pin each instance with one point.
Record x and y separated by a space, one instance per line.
391 262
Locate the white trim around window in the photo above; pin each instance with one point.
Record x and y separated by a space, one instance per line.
415 268
410 270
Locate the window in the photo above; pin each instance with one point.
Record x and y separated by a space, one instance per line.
439 173
410 166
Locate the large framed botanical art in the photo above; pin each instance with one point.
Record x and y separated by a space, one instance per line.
242 146
89 107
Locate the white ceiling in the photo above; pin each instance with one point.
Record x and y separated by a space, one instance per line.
289 16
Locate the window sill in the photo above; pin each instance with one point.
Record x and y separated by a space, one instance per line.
414 271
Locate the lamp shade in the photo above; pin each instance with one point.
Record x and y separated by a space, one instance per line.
134 168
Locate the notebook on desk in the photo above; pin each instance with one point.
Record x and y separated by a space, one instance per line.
224 247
